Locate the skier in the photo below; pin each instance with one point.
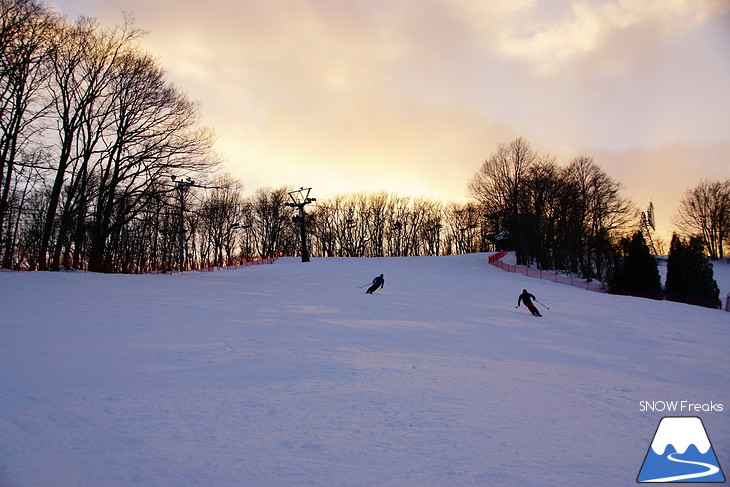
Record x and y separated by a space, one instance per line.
527 299
377 282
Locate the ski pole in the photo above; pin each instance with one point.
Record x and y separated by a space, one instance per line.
364 285
542 304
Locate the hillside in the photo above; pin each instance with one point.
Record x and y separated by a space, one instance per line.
288 374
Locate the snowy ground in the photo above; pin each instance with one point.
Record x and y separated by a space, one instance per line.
289 375
722 276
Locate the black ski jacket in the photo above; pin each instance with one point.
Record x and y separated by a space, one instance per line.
526 298
379 281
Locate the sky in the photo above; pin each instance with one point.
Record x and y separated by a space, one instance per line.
411 96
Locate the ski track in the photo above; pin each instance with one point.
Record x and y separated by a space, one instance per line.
289 375
711 470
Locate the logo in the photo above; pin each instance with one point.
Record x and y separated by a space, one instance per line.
680 452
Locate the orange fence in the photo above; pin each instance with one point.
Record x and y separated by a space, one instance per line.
121 266
496 260
243 262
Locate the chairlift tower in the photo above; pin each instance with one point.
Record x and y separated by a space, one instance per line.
299 199
647 224
182 185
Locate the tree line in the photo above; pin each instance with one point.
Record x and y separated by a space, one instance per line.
104 165
554 217
574 217
91 133
384 224
689 277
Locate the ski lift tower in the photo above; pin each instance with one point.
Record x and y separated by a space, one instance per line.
299 199
182 185
647 224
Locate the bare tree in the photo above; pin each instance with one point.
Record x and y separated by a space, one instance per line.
221 214
120 129
597 209
560 218
704 211
153 134
26 33
83 64
271 220
379 210
464 222
378 224
431 227
499 184
354 225
324 228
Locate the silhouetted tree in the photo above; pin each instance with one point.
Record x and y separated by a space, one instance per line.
83 63
499 186
596 208
221 214
556 217
705 211
690 274
636 271
272 222
27 30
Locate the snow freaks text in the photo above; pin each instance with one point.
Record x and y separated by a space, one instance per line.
680 407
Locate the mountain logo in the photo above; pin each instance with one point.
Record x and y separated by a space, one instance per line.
681 452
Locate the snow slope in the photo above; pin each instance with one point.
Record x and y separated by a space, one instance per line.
289 375
721 273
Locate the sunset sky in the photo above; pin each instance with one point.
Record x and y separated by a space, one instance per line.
412 95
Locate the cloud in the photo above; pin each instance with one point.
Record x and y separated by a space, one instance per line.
379 142
348 94
663 173
412 95
522 33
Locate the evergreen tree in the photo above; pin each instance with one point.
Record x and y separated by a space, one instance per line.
676 267
690 274
636 273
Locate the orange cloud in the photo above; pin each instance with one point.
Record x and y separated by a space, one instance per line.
663 173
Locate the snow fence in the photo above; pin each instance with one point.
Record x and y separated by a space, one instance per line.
196 267
496 260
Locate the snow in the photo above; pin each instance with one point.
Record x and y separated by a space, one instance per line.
721 273
289 375
680 432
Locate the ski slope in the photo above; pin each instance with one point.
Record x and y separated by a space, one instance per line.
290 375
